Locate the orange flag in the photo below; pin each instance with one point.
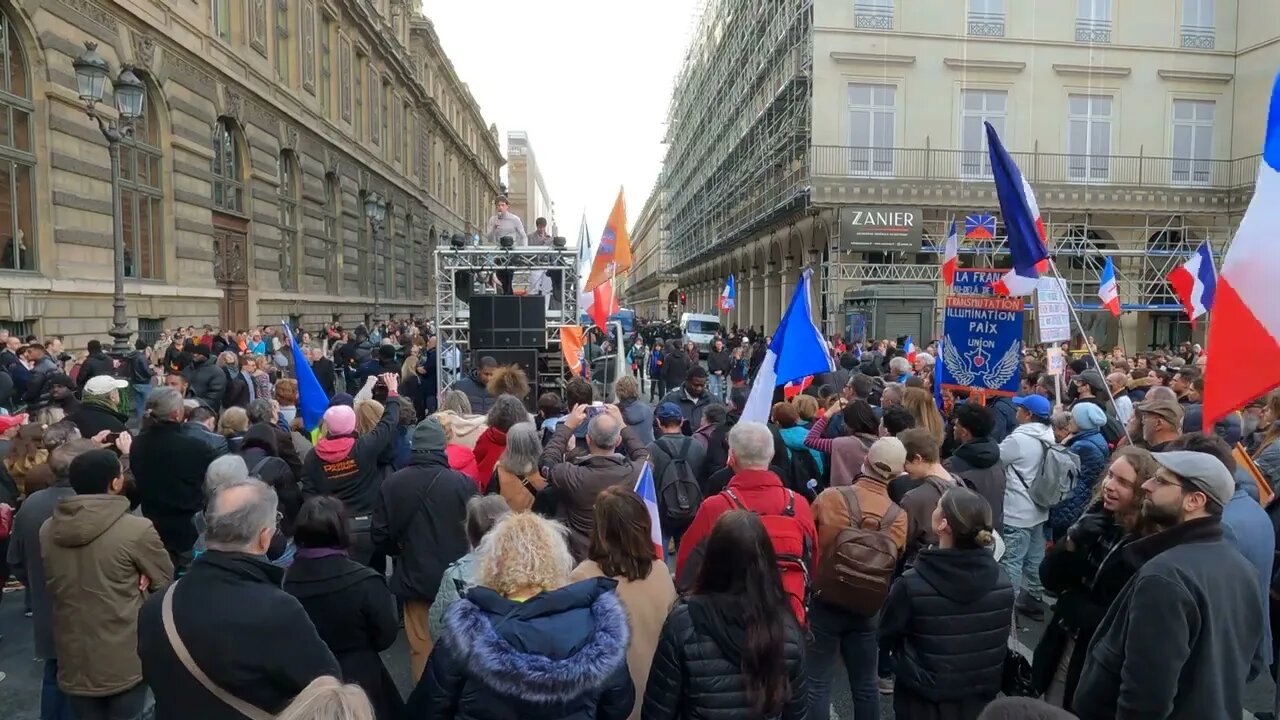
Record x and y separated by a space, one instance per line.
1244 461
572 343
614 249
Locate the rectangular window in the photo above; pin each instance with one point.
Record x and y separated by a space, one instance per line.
326 68
222 19
358 115
986 18
1089 138
872 120
149 329
282 41
978 107
375 103
397 131
1093 21
1197 24
873 14
386 117
1192 141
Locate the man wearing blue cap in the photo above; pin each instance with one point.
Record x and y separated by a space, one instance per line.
668 475
1022 453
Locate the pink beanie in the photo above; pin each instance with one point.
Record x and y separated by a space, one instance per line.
340 420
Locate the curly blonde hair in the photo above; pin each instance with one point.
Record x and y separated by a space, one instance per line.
326 698
234 421
524 551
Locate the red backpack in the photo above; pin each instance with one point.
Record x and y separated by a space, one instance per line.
794 550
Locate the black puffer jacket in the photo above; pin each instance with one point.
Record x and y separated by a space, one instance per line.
696 671
947 619
978 463
208 383
560 654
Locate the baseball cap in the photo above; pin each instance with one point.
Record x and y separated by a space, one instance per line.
1037 405
1168 410
885 458
1093 379
104 384
1204 471
669 411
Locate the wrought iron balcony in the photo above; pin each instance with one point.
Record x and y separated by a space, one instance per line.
829 161
1093 31
986 24
1195 37
872 16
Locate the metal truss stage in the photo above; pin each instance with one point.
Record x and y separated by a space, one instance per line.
462 272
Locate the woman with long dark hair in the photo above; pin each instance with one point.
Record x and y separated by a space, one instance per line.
1087 570
947 619
622 548
730 650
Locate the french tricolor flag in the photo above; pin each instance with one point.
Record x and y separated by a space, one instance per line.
910 348
951 256
1244 331
1027 241
798 349
1108 290
729 294
1195 282
649 494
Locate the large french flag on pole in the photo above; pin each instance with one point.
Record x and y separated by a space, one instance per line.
649 494
951 256
1027 243
729 295
1108 290
798 349
1195 282
1244 330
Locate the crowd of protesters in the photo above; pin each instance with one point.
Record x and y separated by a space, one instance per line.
189 548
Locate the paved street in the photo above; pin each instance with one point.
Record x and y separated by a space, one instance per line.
20 690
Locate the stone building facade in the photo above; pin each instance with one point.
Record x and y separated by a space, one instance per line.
266 124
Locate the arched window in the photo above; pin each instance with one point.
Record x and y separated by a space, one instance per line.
142 195
287 202
332 236
228 183
17 160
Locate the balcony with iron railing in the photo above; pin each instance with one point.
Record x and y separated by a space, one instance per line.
1196 37
986 24
872 15
1129 171
1091 30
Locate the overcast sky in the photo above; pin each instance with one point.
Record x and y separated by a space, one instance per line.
589 81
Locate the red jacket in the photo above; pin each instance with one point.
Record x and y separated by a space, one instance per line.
463 459
762 492
489 447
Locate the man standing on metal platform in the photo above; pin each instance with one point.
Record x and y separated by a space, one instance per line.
502 224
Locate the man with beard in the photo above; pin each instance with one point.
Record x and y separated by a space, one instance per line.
691 397
1182 638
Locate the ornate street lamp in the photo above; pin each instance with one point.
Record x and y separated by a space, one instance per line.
375 209
130 94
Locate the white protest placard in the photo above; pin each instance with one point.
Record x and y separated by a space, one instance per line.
1052 311
1057 362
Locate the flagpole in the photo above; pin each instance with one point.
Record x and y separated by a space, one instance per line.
1075 315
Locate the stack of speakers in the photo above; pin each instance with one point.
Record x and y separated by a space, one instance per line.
511 329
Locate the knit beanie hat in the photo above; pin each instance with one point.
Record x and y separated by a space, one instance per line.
1088 416
340 420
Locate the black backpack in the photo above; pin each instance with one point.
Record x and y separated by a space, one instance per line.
678 487
803 468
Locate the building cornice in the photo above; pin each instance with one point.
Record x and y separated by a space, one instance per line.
1196 76
1092 70
872 59
1010 66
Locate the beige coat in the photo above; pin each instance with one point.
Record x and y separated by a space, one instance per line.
647 602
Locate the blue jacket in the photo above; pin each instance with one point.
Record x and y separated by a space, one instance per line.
1246 525
560 654
1092 449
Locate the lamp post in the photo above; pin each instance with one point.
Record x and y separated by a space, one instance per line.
375 209
130 94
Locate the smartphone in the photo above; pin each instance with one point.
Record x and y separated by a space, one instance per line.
595 409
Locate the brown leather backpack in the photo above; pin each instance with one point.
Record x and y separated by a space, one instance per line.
856 573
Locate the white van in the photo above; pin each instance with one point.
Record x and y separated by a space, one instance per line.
699 329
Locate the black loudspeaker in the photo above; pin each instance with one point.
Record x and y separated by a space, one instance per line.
508 321
527 359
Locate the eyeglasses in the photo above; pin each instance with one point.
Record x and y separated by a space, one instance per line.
279 518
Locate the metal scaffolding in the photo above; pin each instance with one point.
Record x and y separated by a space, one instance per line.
453 313
739 125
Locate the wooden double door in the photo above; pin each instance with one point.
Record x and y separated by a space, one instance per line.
231 270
